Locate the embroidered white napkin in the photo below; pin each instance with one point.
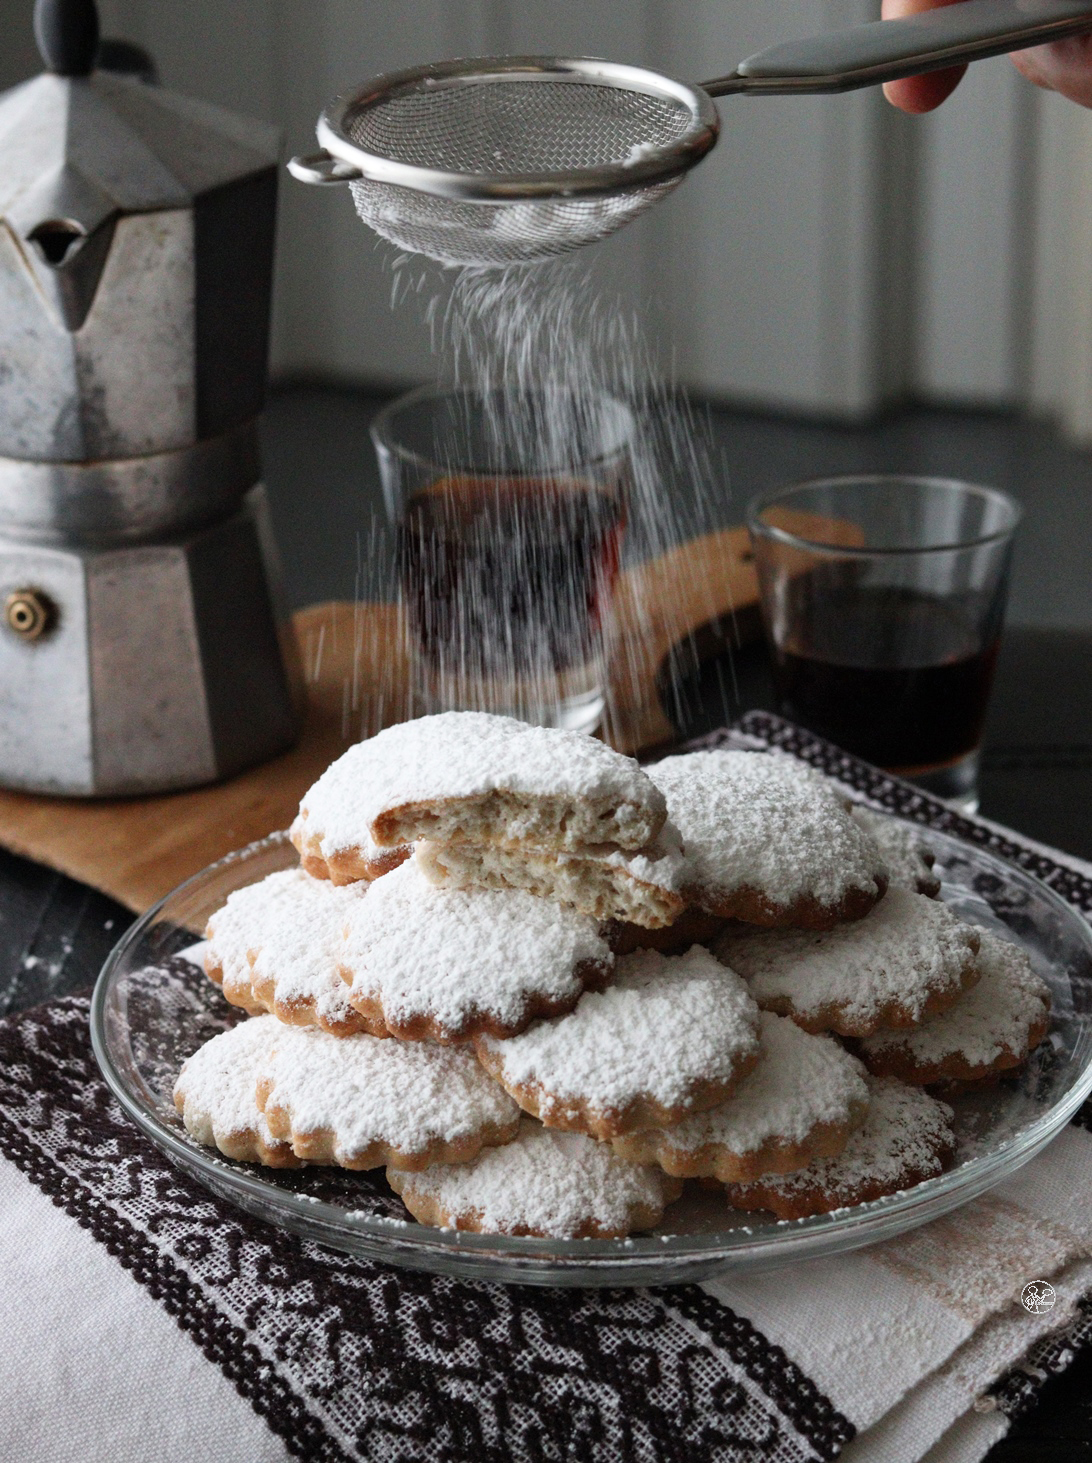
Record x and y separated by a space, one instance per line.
906 1337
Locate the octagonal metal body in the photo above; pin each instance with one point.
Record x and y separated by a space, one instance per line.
169 664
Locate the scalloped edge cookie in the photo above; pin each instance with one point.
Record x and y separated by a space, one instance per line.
471 776
362 863
768 841
905 1139
672 1035
908 858
990 1031
446 965
801 1102
234 982
285 932
910 959
361 1103
215 1095
547 1185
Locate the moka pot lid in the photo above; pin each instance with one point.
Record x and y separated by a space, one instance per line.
81 145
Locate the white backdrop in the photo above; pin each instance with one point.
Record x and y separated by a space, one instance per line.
828 256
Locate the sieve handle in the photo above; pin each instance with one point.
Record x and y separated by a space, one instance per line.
885 50
322 168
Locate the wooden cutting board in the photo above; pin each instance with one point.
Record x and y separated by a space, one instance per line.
687 603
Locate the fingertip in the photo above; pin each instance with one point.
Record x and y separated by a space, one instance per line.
918 94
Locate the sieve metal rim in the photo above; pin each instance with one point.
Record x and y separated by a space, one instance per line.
609 178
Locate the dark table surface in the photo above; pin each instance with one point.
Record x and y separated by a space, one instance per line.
1037 777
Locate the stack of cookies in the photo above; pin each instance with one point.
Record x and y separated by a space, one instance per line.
542 986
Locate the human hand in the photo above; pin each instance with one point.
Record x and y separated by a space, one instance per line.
1061 66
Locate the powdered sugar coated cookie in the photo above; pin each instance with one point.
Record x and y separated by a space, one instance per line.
215 1093
234 980
550 1184
905 1138
801 1102
227 954
605 882
908 959
482 778
446 964
365 860
361 1103
286 932
990 1029
669 1036
768 841
908 857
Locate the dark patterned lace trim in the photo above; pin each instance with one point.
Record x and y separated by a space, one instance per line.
780 1378
1018 1392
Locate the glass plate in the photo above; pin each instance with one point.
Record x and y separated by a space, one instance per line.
153 1006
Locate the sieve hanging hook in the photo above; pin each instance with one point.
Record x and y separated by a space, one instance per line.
505 160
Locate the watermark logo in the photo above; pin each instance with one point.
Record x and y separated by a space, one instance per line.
1038 1297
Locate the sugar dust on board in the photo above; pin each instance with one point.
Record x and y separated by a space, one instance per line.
895 676
508 584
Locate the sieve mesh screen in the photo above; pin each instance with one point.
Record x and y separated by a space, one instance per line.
522 125
455 232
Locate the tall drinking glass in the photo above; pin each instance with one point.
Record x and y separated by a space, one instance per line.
883 600
510 509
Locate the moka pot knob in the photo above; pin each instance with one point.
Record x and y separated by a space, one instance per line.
67 32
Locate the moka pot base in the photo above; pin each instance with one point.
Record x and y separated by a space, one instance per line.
138 668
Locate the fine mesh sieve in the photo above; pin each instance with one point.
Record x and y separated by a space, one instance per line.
455 232
515 159
508 160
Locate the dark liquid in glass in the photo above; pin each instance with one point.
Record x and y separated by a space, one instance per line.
509 577
895 676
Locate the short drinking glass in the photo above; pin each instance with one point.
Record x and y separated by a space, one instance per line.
883 600
510 509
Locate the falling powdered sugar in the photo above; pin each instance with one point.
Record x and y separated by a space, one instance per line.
754 820
561 1185
669 1033
445 963
361 1102
559 386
